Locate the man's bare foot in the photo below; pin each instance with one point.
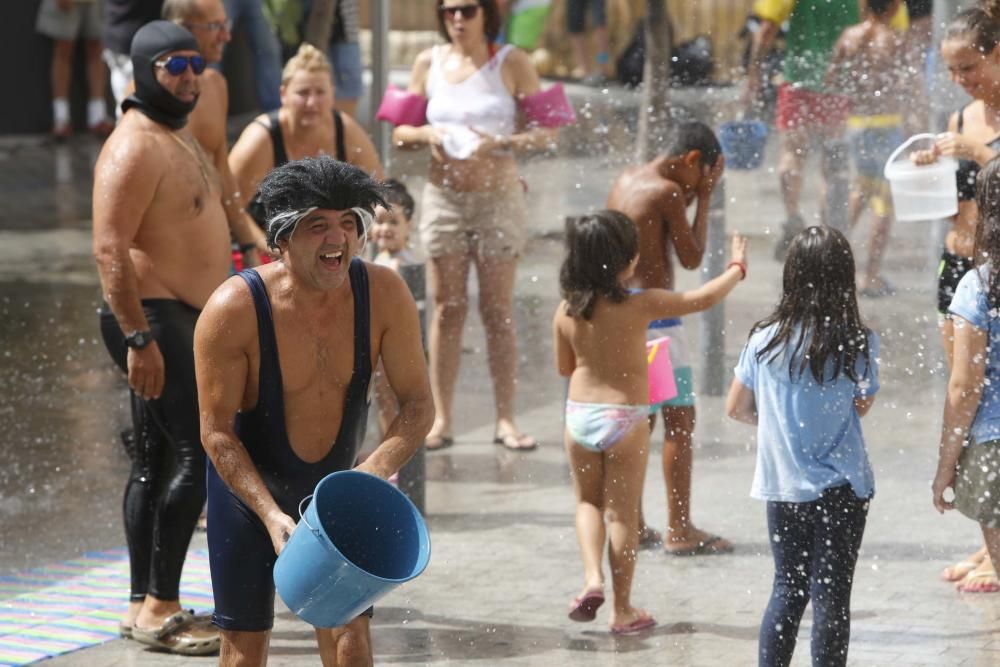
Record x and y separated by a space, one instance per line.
959 570
128 620
981 580
696 543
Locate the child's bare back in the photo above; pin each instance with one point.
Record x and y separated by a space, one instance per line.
608 350
867 66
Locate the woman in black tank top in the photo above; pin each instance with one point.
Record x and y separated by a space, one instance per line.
306 125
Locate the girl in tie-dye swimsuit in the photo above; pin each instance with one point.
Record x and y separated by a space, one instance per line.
600 344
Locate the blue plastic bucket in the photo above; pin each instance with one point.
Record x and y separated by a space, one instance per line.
359 538
743 143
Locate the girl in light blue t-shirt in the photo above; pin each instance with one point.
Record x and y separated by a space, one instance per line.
969 452
806 376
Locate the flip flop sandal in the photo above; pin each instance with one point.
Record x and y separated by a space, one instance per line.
644 622
650 538
124 631
513 442
181 633
713 546
963 568
584 608
443 442
987 577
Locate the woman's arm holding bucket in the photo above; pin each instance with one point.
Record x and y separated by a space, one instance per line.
226 329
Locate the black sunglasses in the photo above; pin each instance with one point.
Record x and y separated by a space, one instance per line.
175 65
468 12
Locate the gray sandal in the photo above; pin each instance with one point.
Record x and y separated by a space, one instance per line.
182 633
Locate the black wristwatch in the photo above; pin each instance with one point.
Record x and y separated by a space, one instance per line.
138 339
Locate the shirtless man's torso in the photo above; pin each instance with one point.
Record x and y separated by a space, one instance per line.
161 244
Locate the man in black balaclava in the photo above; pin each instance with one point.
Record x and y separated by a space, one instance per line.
162 246
150 45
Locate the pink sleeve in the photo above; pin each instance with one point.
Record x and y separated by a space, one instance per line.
548 108
400 107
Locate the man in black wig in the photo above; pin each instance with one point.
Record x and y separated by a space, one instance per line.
284 357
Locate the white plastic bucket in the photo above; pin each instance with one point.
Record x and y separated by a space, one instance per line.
925 192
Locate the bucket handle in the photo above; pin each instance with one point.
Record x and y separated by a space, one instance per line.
302 516
906 144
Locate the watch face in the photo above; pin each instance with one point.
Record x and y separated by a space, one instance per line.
137 339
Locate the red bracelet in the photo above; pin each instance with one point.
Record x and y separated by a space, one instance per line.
742 267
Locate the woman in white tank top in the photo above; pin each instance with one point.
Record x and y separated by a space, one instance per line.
472 210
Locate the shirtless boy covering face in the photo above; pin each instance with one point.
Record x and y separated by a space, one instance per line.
656 196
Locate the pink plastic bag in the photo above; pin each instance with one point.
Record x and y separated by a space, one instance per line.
400 107
660 371
548 108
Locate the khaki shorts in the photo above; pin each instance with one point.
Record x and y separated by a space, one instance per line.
83 21
487 224
977 483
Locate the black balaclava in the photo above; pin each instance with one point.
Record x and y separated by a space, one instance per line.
151 42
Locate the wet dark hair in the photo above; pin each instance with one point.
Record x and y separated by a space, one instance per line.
817 318
987 247
397 195
321 182
599 246
876 7
693 136
491 19
980 24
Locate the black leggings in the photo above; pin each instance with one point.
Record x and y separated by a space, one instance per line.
815 546
166 488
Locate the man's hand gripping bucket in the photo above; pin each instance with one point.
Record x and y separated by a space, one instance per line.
358 539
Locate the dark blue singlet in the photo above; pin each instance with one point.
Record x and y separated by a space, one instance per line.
240 550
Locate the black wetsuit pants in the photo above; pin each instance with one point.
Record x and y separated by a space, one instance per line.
166 488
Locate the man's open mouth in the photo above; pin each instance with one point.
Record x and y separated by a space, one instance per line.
332 259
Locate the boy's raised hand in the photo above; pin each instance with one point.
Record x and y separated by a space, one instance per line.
710 177
739 249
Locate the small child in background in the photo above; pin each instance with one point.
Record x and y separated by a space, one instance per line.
391 233
868 67
600 343
807 375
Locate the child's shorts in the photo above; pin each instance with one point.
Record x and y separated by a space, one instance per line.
82 21
680 359
801 108
977 483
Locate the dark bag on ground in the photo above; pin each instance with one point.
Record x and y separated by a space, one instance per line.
691 65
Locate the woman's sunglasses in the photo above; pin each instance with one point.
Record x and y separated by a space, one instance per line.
175 65
468 12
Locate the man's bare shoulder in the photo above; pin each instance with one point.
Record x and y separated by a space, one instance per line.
230 311
852 37
137 143
386 283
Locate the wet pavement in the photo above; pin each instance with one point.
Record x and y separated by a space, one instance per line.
505 560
